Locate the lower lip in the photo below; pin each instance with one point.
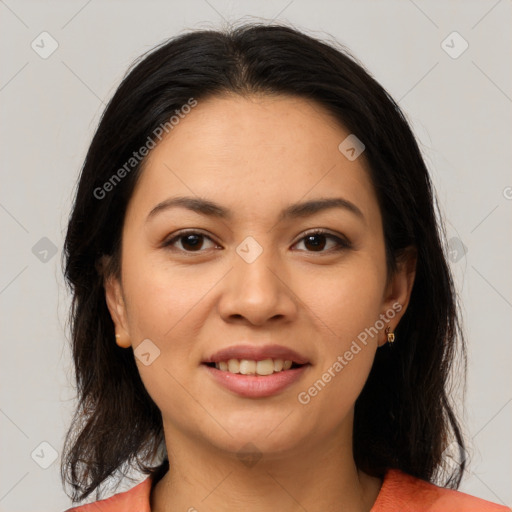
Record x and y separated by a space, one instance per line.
256 386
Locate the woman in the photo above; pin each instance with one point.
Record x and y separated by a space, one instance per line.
263 316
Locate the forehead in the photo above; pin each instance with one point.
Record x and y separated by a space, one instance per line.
253 153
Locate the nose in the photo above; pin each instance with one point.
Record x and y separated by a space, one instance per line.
258 291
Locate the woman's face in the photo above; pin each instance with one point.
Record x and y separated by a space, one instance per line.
253 279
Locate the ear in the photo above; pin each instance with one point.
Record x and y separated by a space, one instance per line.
117 308
398 291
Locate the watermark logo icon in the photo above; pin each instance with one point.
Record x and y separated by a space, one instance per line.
44 455
454 455
351 147
454 45
44 45
249 250
44 250
146 352
249 455
456 249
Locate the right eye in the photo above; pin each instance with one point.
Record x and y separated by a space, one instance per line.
191 241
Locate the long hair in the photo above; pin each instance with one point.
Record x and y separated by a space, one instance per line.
403 416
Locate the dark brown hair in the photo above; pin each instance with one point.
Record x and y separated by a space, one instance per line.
403 416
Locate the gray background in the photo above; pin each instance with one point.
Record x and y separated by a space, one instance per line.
460 108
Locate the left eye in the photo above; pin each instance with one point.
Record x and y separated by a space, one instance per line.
317 241
192 241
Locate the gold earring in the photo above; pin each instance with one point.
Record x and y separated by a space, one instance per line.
390 335
123 340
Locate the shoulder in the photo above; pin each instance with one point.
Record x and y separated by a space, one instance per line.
137 499
406 493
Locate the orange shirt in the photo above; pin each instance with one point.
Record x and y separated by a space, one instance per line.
399 493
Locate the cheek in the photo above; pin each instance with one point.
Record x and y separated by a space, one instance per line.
345 301
165 305
162 297
168 306
345 307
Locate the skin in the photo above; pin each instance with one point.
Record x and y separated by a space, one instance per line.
255 156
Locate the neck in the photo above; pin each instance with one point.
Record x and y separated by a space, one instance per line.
319 475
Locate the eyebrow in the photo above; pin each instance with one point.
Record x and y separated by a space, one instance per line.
293 211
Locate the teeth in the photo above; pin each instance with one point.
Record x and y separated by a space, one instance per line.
234 366
249 367
265 367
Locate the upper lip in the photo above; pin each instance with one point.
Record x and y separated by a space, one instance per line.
256 353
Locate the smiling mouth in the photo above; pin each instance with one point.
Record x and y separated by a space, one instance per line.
261 368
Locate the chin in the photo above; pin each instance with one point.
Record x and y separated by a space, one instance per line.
269 435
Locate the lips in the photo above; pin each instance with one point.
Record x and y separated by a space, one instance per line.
256 353
251 371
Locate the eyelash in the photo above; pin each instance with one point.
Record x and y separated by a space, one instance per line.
342 244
